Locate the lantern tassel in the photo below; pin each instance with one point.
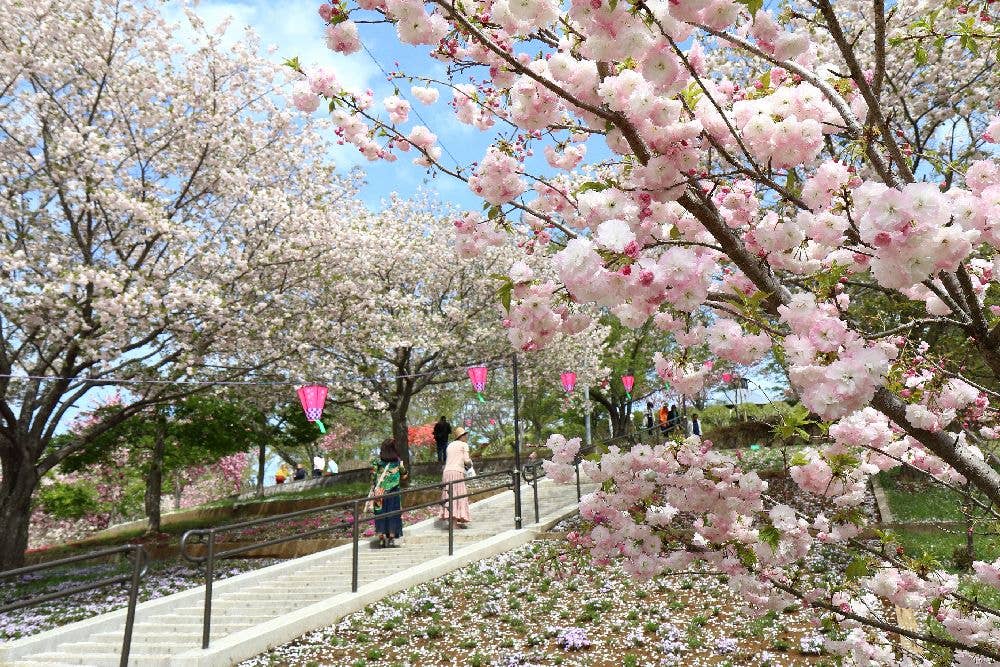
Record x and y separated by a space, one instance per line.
628 396
480 397
322 429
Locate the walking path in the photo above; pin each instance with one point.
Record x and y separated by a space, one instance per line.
257 610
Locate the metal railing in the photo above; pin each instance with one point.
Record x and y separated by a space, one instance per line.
140 564
208 536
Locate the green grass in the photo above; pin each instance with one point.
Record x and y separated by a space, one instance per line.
920 500
940 545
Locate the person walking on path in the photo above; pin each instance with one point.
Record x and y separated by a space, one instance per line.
673 419
664 418
649 421
387 474
442 429
457 461
695 424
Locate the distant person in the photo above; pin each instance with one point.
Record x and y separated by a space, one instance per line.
695 424
649 421
318 465
300 473
673 419
387 474
456 463
442 429
664 419
332 467
281 474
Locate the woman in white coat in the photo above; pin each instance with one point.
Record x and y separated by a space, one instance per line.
454 471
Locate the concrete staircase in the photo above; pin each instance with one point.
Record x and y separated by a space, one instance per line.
257 610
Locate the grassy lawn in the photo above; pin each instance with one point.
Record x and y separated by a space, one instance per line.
940 545
919 500
340 491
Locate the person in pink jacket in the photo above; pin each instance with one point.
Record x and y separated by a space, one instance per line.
454 471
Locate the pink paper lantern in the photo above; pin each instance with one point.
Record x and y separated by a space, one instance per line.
313 398
628 381
727 377
568 381
477 374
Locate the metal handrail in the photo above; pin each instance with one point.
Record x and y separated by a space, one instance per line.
140 565
207 536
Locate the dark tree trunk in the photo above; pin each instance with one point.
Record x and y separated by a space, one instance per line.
261 460
154 481
178 491
619 412
18 483
400 432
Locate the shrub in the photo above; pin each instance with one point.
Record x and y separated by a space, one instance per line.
69 501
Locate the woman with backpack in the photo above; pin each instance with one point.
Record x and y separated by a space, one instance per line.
388 472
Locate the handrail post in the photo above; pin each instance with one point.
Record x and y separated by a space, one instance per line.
517 448
206 629
576 464
534 488
451 518
133 596
514 483
354 553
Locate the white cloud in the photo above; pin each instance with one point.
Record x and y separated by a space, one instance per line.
293 28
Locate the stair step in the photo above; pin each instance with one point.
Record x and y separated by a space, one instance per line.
63 657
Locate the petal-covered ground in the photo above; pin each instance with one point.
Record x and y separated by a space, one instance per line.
539 606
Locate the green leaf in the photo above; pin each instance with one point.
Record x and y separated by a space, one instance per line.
921 55
592 185
752 5
792 183
746 555
293 63
765 80
859 567
505 291
770 535
691 94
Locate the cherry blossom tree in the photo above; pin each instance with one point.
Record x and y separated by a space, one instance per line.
157 201
773 170
412 316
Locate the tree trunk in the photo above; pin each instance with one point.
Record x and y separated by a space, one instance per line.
154 481
400 432
261 460
178 491
17 484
